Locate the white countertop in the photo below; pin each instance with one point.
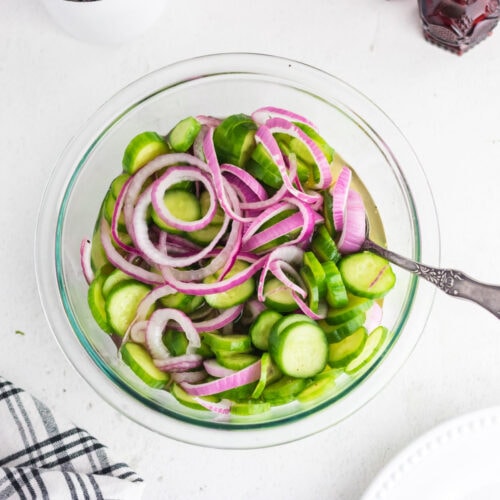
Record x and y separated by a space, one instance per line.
447 106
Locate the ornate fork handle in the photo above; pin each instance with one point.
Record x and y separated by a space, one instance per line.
450 281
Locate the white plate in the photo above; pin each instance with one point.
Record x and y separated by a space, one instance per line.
458 460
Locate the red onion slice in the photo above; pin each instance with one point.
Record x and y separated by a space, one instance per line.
156 326
223 407
214 368
225 317
182 363
146 246
279 125
85 253
354 231
172 176
220 185
264 136
262 115
242 377
123 264
339 193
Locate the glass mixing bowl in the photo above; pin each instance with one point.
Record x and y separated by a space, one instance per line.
220 85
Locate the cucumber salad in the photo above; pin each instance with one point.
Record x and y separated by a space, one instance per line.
227 264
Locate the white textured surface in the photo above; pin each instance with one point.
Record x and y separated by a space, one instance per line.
447 106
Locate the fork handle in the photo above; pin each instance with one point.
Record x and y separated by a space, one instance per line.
453 282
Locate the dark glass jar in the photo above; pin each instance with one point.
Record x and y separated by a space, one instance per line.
458 24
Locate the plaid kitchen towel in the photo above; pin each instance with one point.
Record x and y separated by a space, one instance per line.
46 457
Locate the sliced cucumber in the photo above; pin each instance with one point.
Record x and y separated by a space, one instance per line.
328 212
317 270
316 389
182 301
261 328
97 303
278 297
234 139
311 287
299 350
335 333
116 276
324 247
373 344
266 369
98 258
141 363
284 390
143 148
343 352
234 296
187 400
117 184
288 320
367 275
236 361
176 342
204 206
182 136
232 343
354 306
250 408
204 236
182 204
121 304
336 293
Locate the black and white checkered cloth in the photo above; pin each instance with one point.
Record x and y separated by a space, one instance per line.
44 457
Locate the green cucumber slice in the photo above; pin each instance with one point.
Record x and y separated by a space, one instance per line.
367 275
266 368
182 205
284 390
324 247
311 287
236 361
343 352
141 363
122 302
176 342
300 350
234 139
278 297
290 319
187 400
143 148
250 408
335 333
328 212
98 258
373 344
336 293
234 296
232 343
354 306
116 276
203 236
316 389
117 184
204 206
97 303
261 328
182 136
317 270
